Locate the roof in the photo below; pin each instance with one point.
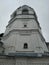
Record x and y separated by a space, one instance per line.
25 6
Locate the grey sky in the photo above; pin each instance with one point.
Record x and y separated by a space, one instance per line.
41 8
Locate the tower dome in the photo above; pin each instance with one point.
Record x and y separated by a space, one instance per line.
25 10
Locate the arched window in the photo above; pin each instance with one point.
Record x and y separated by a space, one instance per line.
25 11
25 45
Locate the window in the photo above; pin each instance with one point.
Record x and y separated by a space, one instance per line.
14 14
25 11
25 25
25 45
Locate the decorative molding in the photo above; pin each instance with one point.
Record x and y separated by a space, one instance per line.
21 32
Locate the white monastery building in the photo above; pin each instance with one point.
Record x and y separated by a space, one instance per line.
22 43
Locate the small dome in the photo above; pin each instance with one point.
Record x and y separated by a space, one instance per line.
23 10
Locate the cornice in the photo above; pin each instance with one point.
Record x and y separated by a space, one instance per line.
21 30
24 32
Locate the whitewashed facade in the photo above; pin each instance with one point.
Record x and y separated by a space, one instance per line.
23 42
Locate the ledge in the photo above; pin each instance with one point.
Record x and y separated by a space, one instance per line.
34 55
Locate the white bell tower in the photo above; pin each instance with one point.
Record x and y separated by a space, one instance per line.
23 32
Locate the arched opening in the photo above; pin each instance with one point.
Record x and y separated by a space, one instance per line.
25 45
25 11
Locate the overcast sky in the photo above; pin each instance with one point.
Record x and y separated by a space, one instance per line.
41 8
